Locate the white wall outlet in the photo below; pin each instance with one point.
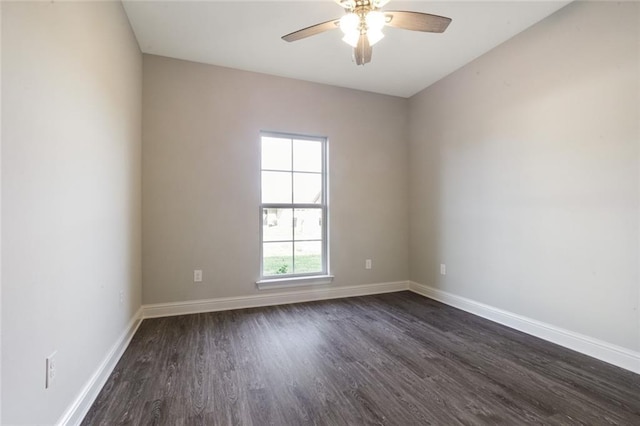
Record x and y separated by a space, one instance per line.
367 264
50 364
121 297
197 275
443 269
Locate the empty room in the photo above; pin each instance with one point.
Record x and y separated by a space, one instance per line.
334 212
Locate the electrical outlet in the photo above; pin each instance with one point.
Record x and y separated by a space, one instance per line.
367 264
121 297
50 364
443 269
197 275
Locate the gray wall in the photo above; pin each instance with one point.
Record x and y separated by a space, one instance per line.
201 180
71 98
525 175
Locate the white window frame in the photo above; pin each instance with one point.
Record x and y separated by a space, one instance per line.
287 280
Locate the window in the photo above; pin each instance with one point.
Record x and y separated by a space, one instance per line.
293 210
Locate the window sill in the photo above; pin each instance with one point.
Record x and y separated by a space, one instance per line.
294 282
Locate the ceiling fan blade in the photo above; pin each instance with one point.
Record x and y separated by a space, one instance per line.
417 21
362 52
312 30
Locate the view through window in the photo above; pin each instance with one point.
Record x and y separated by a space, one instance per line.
293 210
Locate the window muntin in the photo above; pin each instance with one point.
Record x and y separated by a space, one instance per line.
293 209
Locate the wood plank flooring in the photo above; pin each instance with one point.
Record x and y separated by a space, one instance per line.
393 359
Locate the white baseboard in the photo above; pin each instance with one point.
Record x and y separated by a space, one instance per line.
607 352
268 299
80 406
76 412
595 348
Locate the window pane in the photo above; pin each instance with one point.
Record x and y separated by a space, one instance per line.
308 257
277 224
308 224
277 258
276 187
307 188
307 156
276 153
292 172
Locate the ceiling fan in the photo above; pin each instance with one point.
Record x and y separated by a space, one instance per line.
363 22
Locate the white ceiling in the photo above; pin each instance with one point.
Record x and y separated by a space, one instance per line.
246 35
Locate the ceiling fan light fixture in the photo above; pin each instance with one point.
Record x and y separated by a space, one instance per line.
351 38
375 20
349 23
374 36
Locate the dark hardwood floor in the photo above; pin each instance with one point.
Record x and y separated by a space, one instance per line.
397 359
